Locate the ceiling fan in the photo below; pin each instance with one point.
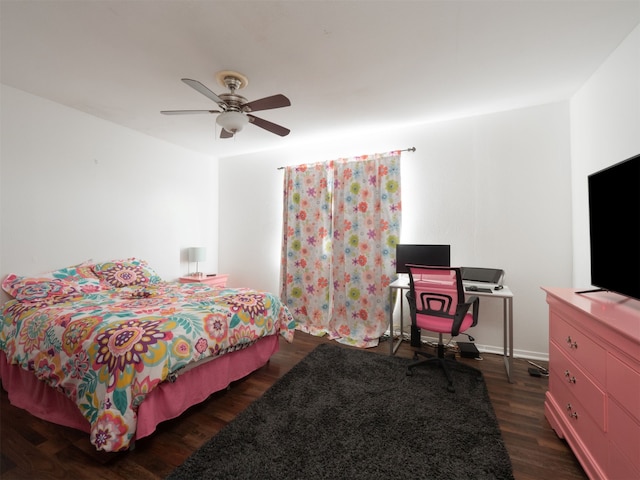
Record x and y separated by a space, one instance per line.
234 108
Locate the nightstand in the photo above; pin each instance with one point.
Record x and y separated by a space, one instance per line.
219 280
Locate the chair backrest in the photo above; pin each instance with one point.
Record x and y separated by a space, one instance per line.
437 290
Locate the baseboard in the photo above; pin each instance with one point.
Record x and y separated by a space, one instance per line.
483 348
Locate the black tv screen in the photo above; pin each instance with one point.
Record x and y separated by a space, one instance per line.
432 255
614 226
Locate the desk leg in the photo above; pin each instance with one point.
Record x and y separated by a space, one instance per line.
401 323
393 346
507 328
391 305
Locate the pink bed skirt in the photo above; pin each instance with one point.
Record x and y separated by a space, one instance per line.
167 401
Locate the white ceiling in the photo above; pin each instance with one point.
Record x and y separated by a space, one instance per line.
345 65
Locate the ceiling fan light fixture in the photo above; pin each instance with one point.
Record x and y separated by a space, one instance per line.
233 113
232 122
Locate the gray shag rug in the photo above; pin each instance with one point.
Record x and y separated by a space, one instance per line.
343 413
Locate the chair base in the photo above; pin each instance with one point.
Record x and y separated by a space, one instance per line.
442 362
439 359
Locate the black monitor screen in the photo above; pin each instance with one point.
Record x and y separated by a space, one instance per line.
431 255
614 222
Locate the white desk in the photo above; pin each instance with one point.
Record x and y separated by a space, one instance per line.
402 284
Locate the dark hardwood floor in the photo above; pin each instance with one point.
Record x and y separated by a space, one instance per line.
34 449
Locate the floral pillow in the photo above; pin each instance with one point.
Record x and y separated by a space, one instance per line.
54 286
125 273
80 276
26 289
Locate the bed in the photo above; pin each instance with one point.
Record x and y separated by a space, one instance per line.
111 349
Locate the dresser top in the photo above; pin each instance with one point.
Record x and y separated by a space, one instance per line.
615 311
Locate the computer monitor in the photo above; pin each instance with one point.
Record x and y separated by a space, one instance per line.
431 255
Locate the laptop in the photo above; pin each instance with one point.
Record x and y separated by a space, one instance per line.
483 279
483 275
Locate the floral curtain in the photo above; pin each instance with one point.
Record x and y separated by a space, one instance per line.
341 224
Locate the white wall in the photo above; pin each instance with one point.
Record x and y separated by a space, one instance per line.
495 187
605 129
74 187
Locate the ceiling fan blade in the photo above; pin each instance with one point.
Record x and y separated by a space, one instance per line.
187 112
225 134
267 103
272 127
205 91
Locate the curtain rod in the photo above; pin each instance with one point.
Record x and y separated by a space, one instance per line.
410 149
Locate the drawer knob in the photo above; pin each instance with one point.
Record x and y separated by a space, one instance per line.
570 378
569 407
574 415
571 343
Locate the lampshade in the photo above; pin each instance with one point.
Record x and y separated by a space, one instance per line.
197 254
232 122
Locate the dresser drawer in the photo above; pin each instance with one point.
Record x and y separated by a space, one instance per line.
623 384
620 466
577 418
577 346
623 432
577 383
219 280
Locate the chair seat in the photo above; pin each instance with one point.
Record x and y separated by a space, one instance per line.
442 325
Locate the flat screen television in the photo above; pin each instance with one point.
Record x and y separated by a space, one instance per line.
614 227
432 255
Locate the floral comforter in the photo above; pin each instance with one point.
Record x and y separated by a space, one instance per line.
107 350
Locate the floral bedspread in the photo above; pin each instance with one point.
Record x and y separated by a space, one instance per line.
107 350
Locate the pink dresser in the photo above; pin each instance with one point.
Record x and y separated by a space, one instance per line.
593 400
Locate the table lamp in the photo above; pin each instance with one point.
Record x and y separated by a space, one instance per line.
197 254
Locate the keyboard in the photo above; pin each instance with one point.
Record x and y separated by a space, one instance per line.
478 289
